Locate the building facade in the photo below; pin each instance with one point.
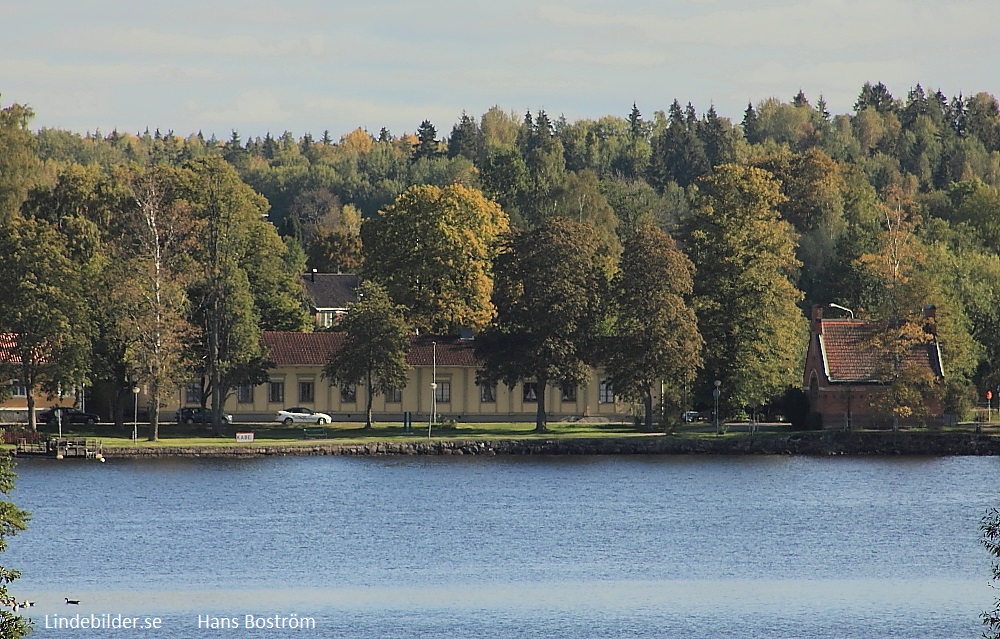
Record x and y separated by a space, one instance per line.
296 379
845 375
14 407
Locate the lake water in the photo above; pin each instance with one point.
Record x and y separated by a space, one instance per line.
532 547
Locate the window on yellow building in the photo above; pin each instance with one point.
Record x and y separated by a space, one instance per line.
529 392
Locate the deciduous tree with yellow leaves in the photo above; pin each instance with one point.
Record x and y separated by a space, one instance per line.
433 249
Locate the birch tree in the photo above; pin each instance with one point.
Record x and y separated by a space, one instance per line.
150 288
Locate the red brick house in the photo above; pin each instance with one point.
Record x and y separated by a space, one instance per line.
844 375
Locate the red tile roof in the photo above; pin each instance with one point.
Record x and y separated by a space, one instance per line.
7 344
848 355
314 349
301 349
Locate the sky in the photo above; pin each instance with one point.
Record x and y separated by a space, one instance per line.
309 66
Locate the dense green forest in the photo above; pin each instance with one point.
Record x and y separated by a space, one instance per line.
884 210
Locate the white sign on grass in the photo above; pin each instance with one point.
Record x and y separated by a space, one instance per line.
244 437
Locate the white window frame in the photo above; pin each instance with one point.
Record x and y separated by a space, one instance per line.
488 393
605 393
529 392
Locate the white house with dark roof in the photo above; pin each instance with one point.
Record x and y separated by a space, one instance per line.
329 294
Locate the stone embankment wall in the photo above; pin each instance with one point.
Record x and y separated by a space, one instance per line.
806 443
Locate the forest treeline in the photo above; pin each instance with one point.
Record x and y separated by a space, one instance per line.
884 210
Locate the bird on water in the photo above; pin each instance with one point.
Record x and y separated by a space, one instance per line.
72 602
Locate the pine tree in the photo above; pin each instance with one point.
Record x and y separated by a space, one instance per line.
427 144
750 125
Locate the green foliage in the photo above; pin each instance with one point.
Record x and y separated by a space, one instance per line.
427 144
12 521
937 154
656 338
19 165
744 256
579 198
549 295
794 404
376 340
990 528
432 250
43 307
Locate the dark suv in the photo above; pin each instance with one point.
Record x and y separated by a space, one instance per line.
199 415
69 416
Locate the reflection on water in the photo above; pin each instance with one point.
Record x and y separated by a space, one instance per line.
523 547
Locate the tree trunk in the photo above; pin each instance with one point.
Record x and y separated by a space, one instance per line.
119 403
647 407
541 420
218 403
32 422
368 402
154 412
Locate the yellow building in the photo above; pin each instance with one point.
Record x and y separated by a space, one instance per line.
447 361
14 409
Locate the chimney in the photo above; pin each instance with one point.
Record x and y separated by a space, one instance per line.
816 322
313 275
930 319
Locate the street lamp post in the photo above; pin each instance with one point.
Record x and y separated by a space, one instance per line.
135 414
434 386
715 393
842 308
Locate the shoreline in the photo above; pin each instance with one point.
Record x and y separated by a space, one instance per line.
814 443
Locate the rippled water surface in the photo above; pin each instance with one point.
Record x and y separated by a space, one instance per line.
568 547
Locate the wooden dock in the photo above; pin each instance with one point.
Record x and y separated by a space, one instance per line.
60 448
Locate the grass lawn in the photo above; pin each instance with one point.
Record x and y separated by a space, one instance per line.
172 434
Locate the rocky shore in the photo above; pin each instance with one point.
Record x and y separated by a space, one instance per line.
821 443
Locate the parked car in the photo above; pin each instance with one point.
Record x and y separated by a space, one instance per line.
691 416
299 415
198 415
69 416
